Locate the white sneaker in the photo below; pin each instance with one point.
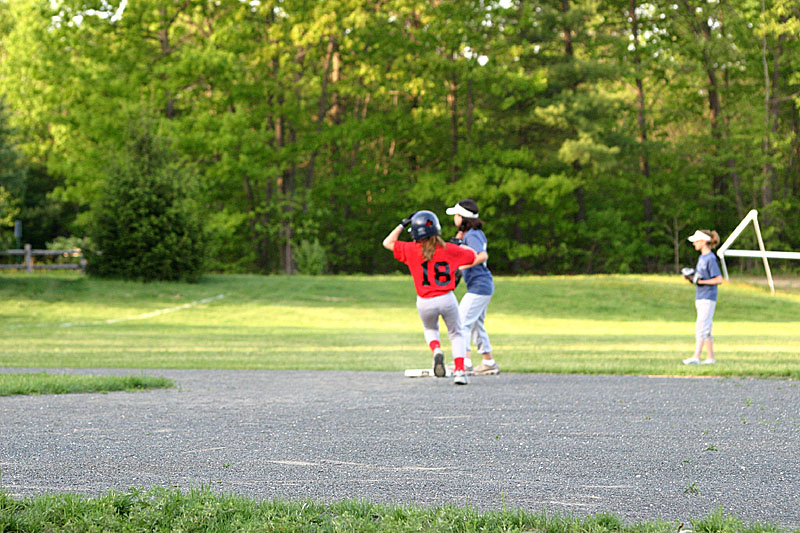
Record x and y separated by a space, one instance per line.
438 363
487 370
691 361
708 362
460 377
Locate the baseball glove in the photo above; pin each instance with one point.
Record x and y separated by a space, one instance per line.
457 242
690 274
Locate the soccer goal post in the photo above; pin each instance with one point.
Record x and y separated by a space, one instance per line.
724 250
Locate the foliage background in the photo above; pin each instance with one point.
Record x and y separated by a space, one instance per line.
595 135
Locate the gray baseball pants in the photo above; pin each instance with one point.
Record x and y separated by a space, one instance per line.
473 314
705 318
446 306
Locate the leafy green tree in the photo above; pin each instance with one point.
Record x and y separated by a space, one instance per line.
12 180
147 224
8 213
12 166
592 133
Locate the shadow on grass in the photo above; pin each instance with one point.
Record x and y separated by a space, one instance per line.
601 297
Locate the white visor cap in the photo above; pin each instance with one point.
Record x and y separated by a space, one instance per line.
699 236
458 209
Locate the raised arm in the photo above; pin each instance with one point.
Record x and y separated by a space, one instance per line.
390 239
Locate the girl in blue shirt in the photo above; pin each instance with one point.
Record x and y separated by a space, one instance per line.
480 286
707 277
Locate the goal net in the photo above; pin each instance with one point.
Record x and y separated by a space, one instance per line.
725 251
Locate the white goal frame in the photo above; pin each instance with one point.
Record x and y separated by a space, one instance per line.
761 252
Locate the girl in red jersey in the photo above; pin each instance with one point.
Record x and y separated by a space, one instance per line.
433 264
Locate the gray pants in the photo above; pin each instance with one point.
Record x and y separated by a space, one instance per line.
446 306
705 317
473 314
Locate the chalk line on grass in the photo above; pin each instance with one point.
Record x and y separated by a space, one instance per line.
142 316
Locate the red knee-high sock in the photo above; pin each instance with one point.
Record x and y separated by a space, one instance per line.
434 345
459 362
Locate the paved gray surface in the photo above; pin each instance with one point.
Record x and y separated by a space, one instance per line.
570 444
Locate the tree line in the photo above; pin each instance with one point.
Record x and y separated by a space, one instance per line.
595 135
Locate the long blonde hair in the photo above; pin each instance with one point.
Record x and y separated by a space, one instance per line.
429 246
714 237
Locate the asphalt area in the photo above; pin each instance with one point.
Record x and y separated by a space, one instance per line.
643 448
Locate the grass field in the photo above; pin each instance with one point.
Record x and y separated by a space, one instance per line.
49 383
583 324
171 510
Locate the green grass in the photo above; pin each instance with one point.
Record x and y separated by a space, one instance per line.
582 324
170 510
46 383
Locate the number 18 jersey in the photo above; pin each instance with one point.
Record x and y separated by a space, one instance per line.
437 276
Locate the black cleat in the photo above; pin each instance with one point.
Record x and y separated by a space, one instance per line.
438 364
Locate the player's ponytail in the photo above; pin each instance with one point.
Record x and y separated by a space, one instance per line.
470 223
429 246
714 242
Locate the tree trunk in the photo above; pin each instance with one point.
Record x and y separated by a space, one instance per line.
644 160
452 101
259 244
674 231
470 107
792 187
766 193
331 59
771 113
163 38
286 186
287 181
363 117
715 108
569 53
565 7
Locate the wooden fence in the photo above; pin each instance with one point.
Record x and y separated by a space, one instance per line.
29 265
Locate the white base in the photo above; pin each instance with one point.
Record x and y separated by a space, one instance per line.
425 373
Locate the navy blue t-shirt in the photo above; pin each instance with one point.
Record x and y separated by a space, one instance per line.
478 278
708 268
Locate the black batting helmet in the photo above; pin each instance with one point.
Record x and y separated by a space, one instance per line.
424 224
